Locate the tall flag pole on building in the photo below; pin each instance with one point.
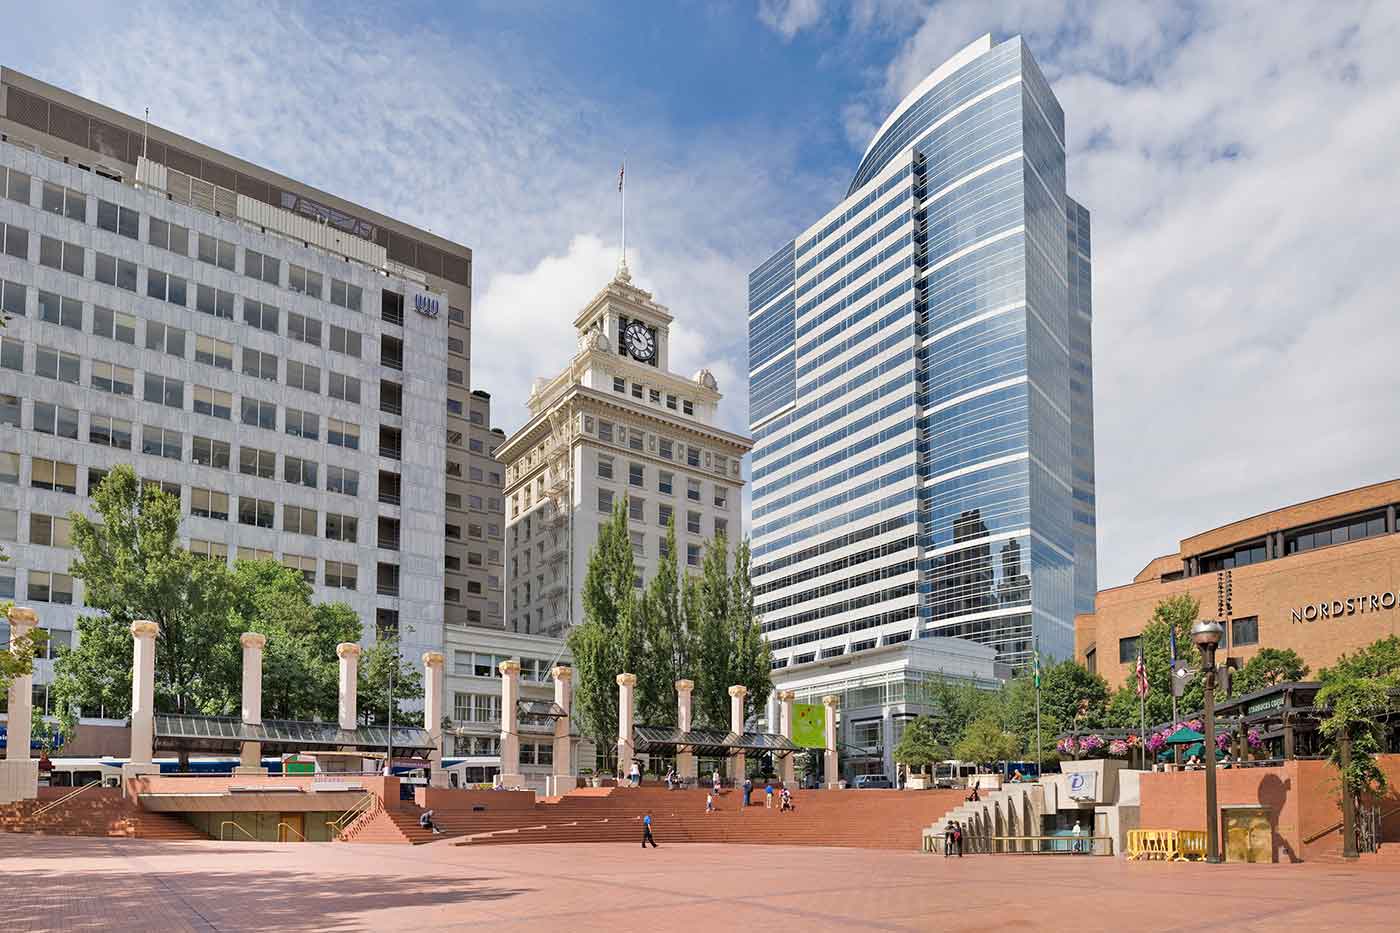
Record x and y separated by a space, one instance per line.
622 197
1142 691
1037 706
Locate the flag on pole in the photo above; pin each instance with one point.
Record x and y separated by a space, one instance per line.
621 169
1037 664
1142 687
1171 630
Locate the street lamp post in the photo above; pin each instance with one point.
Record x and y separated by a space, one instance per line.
1206 634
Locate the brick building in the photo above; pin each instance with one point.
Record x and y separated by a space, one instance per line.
1321 577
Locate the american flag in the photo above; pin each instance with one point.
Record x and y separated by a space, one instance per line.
621 169
1141 677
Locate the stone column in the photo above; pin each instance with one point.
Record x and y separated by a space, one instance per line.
687 767
143 696
564 779
737 762
250 755
788 767
833 775
626 689
349 654
510 725
19 774
432 715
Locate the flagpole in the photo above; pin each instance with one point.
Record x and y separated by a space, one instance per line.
622 190
1038 746
1142 706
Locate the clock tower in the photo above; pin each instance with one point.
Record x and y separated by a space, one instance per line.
636 326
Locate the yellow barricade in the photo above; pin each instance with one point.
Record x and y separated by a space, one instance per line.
1166 845
1193 843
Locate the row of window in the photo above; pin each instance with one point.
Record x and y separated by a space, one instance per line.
1242 632
642 392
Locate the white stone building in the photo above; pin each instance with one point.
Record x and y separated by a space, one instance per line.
615 423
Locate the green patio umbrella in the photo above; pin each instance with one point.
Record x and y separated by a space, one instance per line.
1199 749
1185 736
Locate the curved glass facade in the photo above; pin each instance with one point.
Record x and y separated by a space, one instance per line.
927 345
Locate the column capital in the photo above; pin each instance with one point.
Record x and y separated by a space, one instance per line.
831 699
685 686
22 617
433 659
627 680
787 696
348 649
253 640
509 666
561 672
738 690
144 628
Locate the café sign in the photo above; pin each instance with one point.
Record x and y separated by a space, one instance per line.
1346 606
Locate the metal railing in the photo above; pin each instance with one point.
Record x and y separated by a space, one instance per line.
65 799
284 828
365 805
227 823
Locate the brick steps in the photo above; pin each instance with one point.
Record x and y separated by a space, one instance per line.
97 812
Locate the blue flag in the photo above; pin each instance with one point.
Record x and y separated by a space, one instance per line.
1172 631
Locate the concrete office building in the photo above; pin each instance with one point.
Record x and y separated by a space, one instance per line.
921 385
615 425
240 337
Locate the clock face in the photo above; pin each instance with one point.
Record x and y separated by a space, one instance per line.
640 341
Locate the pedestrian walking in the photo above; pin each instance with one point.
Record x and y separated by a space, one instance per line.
768 796
709 803
715 781
748 791
670 778
646 832
958 838
948 840
636 775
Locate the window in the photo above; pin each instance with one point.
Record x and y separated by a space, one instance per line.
298 520
342 434
345 295
636 475
216 252
342 527
1128 649
254 553
165 391
636 509
169 236
169 489
13 298
663 515
1244 631
216 353
213 402
665 483
721 528
692 522
605 431
9 468
259 364
300 279
605 467
95 478
692 555
56 420
692 456
15 240
1352 528
162 442
340 576
49 531
106 431
259 463
109 270
11 354
206 503
636 390
259 414
342 480
163 286
303 328
671 402
688 407
47 587
9 409
345 341
206 451
18 185
258 266
256 512
619 384
210 550
260 314
54 475
65 312
605 500
305 424
667 448
65 202
298 471
119 220
455 376
7 583
654 396
113 324
214 301
55 364
304 376
165 338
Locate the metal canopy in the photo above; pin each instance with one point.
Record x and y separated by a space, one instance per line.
540 709
710 742
224 733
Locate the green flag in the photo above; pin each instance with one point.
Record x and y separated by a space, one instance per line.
1037 664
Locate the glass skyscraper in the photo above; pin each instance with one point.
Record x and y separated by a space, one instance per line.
921 385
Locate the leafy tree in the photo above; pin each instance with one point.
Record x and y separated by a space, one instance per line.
713 674
133 567
17 654
957 705
669 641
918 747
1070 693
1270 666
985 741
752 658
1177 612
1356 691
380 664
1381 658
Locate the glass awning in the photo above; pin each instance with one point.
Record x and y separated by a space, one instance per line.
225 733
710 742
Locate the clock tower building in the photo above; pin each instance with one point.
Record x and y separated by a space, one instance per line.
616 425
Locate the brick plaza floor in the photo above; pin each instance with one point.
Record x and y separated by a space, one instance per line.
52 883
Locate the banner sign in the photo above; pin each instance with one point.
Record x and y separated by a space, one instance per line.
1083 785
809 725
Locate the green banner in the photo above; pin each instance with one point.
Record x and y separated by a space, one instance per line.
809 725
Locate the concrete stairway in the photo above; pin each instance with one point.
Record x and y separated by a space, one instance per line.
101 811
1013 810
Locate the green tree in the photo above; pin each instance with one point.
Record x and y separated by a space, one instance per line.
1270 666
918 747
714 664
669 641
986 742
133 567
1177 612
380 665
1381 658
752 658
17 654
1356 693
1070 693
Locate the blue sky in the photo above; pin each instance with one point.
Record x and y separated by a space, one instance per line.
1239 160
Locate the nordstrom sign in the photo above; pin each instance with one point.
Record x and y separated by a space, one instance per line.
1347 606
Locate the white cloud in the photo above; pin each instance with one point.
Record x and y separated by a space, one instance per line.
789 17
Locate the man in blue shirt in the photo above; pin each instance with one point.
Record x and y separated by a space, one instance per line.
646 831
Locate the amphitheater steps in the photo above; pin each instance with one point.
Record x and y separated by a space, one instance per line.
97 812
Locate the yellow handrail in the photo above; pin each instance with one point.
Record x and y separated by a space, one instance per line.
281 836
227 823
364 805
64 799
